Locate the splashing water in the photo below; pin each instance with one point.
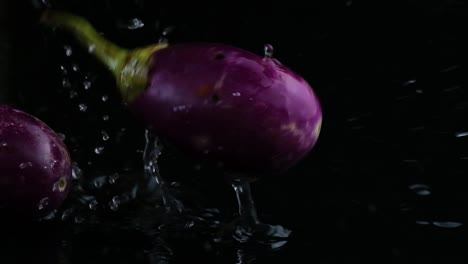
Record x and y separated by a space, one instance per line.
151 170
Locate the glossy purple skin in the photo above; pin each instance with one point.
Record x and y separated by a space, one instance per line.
249 112
34 164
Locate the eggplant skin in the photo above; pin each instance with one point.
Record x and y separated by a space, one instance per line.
250 113
35 166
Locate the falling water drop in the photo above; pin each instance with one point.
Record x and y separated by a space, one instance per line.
76 172
75 68
73 94
164 35
61 136
68 50
25 165
86 85
79 219
268 50
64 70
82 107
105 136
113 178
43 203
134 23
67 213
105 117
93 205
114 203
447 224
104 98
91 48
66 83
99 150
421 189
236 94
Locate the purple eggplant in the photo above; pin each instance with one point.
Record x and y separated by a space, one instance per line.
249 112
35 167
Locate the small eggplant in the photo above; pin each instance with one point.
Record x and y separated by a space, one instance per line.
35 167
249 112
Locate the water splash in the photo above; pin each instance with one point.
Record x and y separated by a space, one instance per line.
151 154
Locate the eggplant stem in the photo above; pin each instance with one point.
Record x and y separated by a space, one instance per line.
129 67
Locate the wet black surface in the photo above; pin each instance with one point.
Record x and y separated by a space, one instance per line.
385 183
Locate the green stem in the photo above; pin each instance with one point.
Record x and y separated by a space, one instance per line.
129 67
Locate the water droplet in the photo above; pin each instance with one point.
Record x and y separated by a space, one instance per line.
4 144
93 205
24 165
236 94
461 134
61 136
75 68
114 203
175 184
43 203
76 172
421 222
98 183
67 213
86 85
98 150
66 83
68 51
167 30
447 224
79 219
73 94
105 117
134 23
163 40
409 82
421 189
419 91
91 48
104 98
83 107
189 224
105 136
113 178
64 70
268 50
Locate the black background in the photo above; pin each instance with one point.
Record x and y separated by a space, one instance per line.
391 76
